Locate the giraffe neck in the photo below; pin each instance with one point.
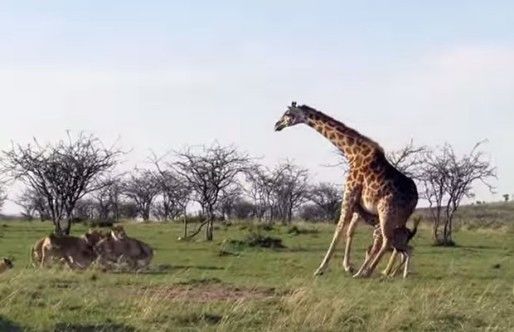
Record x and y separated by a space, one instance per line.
350 142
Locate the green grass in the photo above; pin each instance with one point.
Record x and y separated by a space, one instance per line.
220 286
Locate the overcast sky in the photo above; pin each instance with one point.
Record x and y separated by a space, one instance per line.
163 74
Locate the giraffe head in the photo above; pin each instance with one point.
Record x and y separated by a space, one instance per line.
293 116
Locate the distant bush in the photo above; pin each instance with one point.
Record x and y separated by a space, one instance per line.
98 223
253 240
257 227
295 230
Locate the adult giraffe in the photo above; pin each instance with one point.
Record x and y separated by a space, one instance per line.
374 188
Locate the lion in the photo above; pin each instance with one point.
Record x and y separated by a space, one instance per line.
37 252
5 265
119 248
76 252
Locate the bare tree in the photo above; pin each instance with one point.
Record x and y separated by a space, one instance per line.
327 197
228 198
33 204
447 179
208 172
142 187
276 192
312 212
243 209
174 194
108 198
409 159
85 209
3 196
290 189
62 172
433 177
261 185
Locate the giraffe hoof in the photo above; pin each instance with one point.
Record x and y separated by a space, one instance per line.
358 275
349 268
318 272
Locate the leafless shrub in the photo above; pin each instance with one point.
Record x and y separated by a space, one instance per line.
446 179
277 192
327 198
208 171
141 188
408 159
62 172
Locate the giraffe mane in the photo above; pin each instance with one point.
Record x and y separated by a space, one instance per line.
351 130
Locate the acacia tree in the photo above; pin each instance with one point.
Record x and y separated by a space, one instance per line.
447 180
208 171
3 196
174 194
142 187
327 197
433 177
291 189
261 186
33 205
62 172
408 159
107 199
228 199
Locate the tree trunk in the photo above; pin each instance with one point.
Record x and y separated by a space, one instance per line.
450 229
185 227
146 214
67 226
436 229
57 227
209 229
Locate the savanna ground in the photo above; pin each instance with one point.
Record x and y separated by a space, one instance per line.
229 286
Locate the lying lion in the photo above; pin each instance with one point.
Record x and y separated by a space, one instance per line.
76 252
119 248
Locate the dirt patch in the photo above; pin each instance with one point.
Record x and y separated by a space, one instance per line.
206 292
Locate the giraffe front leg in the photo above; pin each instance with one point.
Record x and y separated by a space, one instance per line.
346 215
348 245
335 239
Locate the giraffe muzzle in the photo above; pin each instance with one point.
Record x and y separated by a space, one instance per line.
279 125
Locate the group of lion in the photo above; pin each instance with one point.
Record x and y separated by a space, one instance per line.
109 249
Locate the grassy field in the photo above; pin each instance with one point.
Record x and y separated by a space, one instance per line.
227 286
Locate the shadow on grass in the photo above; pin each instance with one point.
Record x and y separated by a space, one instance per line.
165 269
111 327
7 325
478 247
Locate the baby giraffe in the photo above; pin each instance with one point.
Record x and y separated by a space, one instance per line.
401 238
5 265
